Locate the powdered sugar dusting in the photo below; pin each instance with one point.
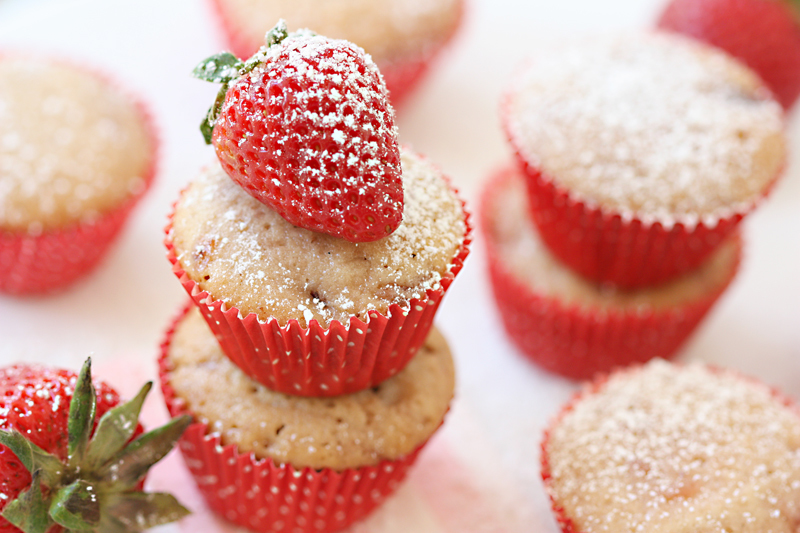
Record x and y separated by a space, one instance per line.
245 254
651 125
71 145
678 449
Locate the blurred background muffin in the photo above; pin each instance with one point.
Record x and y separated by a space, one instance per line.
402 36
76 152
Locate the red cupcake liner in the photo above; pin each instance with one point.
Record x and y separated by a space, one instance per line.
319 361
51 260
33 264
267 497
577 340
608 247
401 76
566 523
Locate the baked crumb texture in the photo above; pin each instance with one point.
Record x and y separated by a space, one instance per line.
311 314
272 462
76 153
402 36
678 449
643 152
576 327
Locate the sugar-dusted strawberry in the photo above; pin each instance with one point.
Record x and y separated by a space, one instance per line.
67 461
764 34
305 126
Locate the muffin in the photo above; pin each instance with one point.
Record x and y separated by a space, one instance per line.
402 36
271 462
573 326
308 313
675 448
76 153
643 152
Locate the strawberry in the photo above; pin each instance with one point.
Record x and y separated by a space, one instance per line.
305 126
764 34
67 461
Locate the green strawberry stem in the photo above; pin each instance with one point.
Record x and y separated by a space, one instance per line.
95 491
225 67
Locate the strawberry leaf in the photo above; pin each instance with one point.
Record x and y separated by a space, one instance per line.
138 511
207 125
277 34
33 457
109 524
81 414
131 464
115 429
76 506
29 511
220 68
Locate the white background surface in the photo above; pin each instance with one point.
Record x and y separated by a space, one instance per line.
119 313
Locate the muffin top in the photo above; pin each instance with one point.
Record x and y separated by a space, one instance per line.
72 146
243 253
675 449
650 125
512 233
385 422
389 30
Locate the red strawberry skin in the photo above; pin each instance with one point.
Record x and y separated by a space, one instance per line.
764 34
310 133
35 401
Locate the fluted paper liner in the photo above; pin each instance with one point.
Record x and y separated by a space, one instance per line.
319 361
608 247
578 342
264 496
32 264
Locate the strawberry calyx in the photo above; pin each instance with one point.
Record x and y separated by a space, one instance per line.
225 68
95 489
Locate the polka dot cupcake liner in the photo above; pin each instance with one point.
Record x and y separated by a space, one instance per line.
319 361
267 497
608 247
579 338
401 75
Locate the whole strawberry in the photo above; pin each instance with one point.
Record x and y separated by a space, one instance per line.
764 34
305 126
67 461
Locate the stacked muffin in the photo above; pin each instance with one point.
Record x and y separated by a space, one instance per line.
637 156
308 360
